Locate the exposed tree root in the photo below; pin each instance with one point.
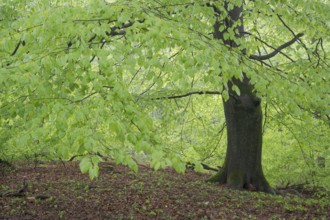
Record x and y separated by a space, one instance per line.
17 193
238 182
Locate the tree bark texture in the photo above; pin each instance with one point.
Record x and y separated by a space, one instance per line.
242 167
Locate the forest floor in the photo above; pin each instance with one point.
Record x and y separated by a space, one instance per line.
60 191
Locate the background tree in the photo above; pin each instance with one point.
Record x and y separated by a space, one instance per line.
105 77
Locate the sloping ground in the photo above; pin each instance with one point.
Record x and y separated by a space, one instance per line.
55 191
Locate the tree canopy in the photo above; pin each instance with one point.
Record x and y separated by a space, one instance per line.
117 78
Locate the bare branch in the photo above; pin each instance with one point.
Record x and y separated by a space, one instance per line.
268 45
153 83
17 46
134 75
292 32
277 50
189 94
285 25
94 20
86 97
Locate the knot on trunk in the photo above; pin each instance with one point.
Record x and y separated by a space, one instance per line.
247 102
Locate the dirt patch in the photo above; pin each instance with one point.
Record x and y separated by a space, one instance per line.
55 191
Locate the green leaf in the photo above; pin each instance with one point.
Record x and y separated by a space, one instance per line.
236 90
198 167
225 95
85 165
157 165
93 172
132 165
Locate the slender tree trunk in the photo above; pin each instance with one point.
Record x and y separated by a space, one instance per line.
242 167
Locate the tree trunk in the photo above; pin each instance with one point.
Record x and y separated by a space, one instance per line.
242 167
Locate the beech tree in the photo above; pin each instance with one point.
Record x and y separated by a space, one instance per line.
83 78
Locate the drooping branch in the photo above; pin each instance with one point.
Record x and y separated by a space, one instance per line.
277 50
189 94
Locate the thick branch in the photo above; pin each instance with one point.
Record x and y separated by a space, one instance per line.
115 30
189 94
287 27
277 50
268 45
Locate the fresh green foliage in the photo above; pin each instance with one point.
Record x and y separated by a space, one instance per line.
104 78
